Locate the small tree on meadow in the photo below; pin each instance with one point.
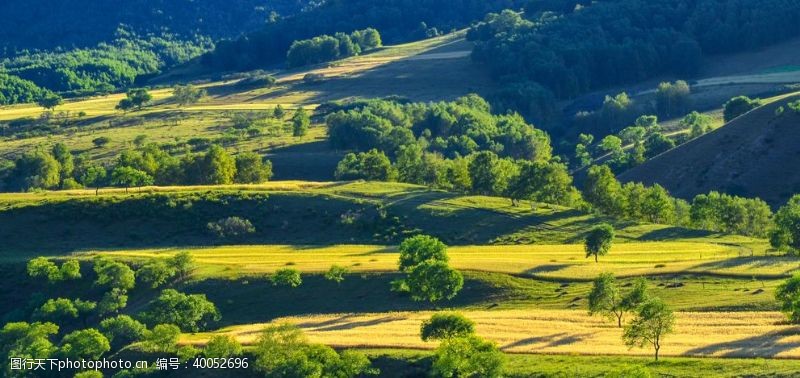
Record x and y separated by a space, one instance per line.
49 101
183 263
300 122
446 325
136 98
653 321
598 241
336 273
188 94
607 299
287 277
433 281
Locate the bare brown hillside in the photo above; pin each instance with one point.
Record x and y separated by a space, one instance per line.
755 155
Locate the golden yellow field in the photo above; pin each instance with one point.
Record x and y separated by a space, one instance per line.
549 261
718 334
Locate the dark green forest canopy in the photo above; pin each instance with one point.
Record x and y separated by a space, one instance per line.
615 42
47 24
397 21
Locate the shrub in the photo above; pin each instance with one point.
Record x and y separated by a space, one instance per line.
231 227
287 277
222 346
446 325
468 357
336 273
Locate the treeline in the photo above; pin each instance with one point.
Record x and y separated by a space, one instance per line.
326 48
55 324
713 211
608 43
102 69
398 21
50 24
451 129
57 168
408 142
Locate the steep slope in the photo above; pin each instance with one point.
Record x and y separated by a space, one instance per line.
755 155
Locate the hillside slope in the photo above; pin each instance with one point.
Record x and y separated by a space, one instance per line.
46 24
754 155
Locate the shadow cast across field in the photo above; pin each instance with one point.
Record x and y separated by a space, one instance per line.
432 75
766 346
256 300
548 341
742 264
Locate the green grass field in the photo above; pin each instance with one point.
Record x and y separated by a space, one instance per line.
301 214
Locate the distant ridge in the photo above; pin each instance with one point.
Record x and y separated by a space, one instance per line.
755 155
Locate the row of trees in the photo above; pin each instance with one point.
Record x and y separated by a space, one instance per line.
481 173
714 211
326 48
57 168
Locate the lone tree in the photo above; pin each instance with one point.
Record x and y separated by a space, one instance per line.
607 299
188 94
598 241
136 98
446 325
788 294
49 101
300 122
653 321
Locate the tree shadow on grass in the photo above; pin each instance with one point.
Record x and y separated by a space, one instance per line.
767 345
756 262
549 341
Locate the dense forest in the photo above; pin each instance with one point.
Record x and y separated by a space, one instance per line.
566 48
48 24
103 68
397 20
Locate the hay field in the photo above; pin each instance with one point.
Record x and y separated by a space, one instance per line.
706 334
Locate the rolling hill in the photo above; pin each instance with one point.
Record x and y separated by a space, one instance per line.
754 155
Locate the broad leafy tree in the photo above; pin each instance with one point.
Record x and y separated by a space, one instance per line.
654 320
598 241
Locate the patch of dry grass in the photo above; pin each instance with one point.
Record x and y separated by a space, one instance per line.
717 334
